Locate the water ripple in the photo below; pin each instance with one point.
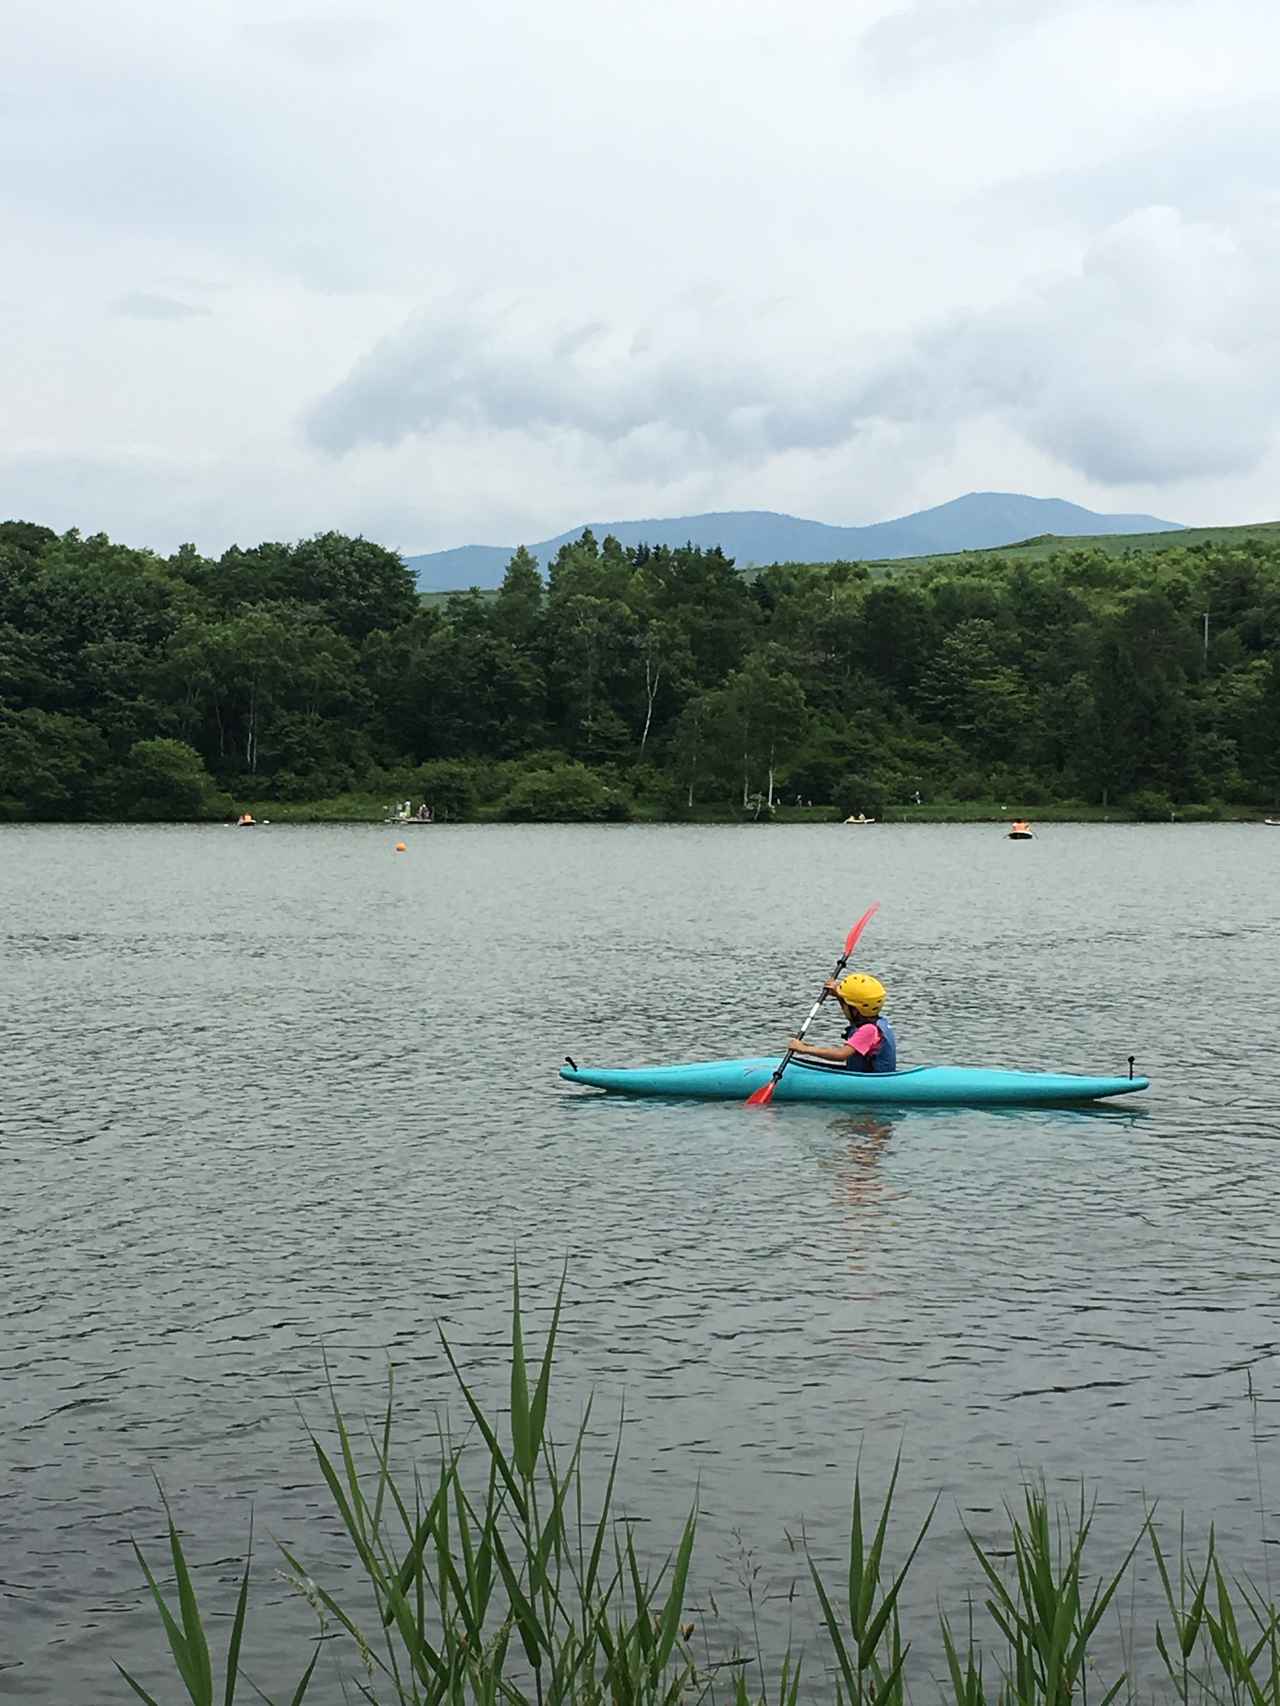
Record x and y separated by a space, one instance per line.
280 1099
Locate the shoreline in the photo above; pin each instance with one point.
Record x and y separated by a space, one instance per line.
352 810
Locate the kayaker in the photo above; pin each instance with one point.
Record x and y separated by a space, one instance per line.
869 1043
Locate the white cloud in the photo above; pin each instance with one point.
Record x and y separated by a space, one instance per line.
922 35
147 305
520 266
1157 362
1153 360
707 378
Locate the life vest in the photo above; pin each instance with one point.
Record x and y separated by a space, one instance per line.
883 1059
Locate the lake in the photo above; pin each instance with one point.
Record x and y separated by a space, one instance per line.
276 1096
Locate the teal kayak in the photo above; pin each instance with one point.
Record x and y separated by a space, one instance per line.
935 1086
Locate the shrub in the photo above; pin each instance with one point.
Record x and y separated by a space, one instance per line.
858 792
287 785
1013 783
569 793
49 764
644 782
1149 805
448 785
164 780
820 776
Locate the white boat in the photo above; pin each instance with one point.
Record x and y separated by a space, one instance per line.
859 819
403 815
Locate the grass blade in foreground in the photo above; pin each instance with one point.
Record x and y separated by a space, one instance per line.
188 1644
528 1590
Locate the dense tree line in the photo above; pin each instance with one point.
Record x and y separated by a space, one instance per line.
137 685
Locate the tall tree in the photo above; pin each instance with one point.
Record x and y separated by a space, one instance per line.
517 610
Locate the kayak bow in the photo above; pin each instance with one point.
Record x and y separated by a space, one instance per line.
935 1086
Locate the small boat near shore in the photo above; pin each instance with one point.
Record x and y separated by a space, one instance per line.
1021 831
931 1086
860 819
403 816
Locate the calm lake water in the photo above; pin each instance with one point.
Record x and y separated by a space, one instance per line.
269 1095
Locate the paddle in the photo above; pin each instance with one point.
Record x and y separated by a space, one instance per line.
759 1098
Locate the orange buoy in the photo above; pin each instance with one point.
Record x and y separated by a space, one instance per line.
400 847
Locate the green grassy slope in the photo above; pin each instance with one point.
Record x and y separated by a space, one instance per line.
1114 544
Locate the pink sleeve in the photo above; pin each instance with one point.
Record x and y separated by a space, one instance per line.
865 1040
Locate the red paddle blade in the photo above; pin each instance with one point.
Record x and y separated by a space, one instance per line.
758 1098
851 940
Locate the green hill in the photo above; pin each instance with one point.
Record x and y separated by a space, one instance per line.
1114 544
1036 550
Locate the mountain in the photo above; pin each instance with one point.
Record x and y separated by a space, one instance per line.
976 522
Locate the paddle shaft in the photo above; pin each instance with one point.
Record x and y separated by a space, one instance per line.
781 1067
765 1092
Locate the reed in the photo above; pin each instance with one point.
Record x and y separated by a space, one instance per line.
502 1581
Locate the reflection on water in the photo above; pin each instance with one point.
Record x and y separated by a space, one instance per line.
859 1142
246 1123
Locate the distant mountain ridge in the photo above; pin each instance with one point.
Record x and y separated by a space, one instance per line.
978 521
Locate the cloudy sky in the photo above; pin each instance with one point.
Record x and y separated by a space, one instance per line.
447 273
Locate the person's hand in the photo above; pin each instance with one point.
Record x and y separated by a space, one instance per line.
831 986
796 1042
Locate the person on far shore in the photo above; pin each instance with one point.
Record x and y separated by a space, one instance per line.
869 1042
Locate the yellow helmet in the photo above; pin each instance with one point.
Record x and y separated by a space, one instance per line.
864 994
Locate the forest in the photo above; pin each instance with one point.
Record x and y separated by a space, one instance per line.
634 681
